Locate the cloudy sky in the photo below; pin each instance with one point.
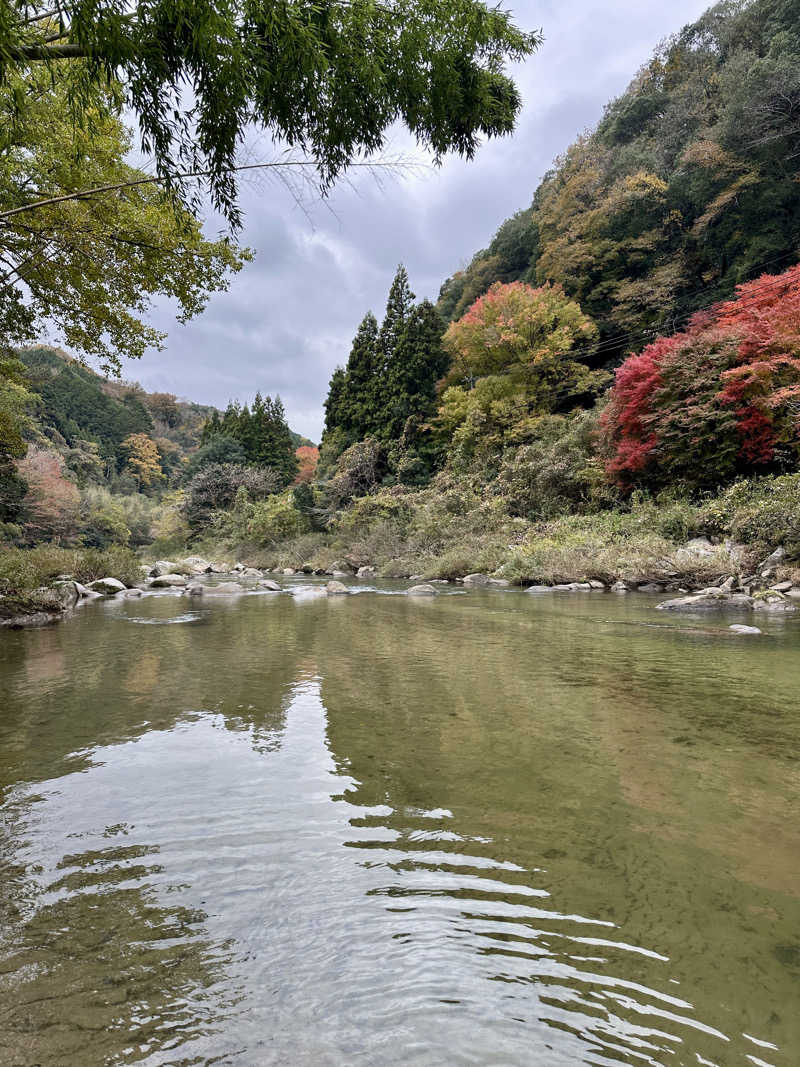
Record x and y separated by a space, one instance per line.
289 317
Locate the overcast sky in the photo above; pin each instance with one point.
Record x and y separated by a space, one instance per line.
289 317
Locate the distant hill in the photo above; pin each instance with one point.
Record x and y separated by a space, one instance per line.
85 415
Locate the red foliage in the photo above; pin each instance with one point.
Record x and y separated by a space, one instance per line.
735 368
52 502
308 457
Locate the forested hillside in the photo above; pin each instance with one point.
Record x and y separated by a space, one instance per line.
689 185
95 461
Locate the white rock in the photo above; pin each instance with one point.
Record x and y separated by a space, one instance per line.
336 589
162 566
426 589
739 629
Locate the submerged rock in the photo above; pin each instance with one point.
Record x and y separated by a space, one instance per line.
426 589
336 589
169 581
225 589
33 621
738 628
107 586
539 589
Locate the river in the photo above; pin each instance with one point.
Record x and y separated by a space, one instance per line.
485 828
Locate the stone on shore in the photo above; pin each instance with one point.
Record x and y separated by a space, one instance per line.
366 572
426 589
336 589
107 586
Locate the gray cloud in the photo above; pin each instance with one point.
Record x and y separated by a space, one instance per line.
289 317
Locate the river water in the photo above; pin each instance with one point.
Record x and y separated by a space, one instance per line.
486 828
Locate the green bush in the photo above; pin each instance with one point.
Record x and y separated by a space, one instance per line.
274 520
23 570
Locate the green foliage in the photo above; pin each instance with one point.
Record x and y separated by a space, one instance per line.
557 471
388 389
89 269
261 432
220 448
328 81
274 520
23 571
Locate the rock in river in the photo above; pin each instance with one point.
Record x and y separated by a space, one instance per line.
336 589
169 581
225 589
475 579
707 600
422 590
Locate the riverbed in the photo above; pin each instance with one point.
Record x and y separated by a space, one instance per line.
484 827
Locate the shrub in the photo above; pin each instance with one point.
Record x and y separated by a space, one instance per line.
274 520
215 488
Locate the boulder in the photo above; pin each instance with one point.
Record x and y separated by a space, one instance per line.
475 579
66 593
169 581
336 589
426 589
740 629
131 593
84 593
650 587
366 572
251 572
774 602
268 584
619 587
341 574
774 558
695 549
197 565
195 590
500 582
288 571
162 566
306 568
107 586
341 565
237 567
224 589
538 589
782 587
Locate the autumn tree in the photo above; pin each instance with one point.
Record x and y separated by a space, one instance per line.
51 505
143 459
717 400
307 458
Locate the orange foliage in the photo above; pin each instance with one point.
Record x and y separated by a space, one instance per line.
307 457
52 502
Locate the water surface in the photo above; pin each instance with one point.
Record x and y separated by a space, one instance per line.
487 828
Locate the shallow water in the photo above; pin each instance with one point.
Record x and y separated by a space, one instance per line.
486 828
